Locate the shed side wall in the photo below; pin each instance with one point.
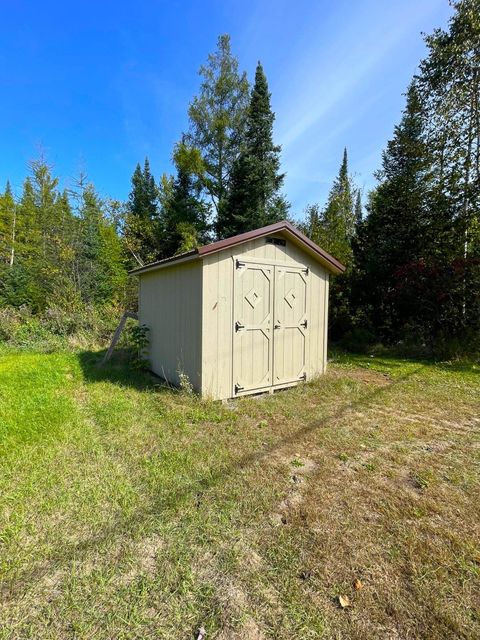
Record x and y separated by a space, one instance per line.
217 314
318 319
170 304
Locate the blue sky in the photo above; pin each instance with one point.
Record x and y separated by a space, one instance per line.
99 85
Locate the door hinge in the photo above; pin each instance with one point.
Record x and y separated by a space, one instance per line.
303 376
239 325
306 271
239 264
304 324
238 388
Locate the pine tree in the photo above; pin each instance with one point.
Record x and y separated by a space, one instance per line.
184 214
254 199
217 122
449 82
334 227
28 228
394 233
8 226
101 269
358 208
142 227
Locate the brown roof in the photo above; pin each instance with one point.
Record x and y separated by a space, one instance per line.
319 254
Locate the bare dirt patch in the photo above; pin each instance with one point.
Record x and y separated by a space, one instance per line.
144 559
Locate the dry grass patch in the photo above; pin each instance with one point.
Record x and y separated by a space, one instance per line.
128 510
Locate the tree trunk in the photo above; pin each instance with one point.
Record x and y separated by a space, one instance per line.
14 229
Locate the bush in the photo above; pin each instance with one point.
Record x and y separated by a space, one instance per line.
58 326
358 340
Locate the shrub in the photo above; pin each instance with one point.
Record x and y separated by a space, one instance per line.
58 326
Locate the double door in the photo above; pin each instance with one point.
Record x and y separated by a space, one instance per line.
270 326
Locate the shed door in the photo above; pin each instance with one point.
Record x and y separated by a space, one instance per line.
290 325
253 327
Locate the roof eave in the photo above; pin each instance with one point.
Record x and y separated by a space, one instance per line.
328 262
168 262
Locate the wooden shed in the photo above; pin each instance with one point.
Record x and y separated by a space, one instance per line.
244 315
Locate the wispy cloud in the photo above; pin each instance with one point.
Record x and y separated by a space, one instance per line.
341 64
326 76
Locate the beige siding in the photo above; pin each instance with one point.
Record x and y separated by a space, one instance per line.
318 320
217 310
217 320
171 306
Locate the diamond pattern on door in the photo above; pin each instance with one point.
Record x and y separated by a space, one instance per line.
290 335
290 298
253 298
252 337
269 326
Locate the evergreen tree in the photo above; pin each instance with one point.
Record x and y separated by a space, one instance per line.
449 81
333 228
8 226
54 257
254 199
358 208
217 123
100 257
49 236
142 225
184 214
395 231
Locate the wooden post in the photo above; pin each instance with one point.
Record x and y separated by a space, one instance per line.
116 335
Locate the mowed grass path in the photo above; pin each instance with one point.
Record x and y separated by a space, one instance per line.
128 510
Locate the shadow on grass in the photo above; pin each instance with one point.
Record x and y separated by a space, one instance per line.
119 370
397 362
174 500
460 367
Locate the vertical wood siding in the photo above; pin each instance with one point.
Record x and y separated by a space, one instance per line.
217 311
170 304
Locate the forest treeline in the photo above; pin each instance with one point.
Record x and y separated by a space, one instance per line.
412 249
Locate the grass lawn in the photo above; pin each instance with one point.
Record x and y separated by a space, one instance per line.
128 510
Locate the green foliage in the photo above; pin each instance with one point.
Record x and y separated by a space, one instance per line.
58 327
142 231
413 281
184 212
418 252
397 229
8 223
138 338
101 273
449 81
217 123
62 260
254 199
333 228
